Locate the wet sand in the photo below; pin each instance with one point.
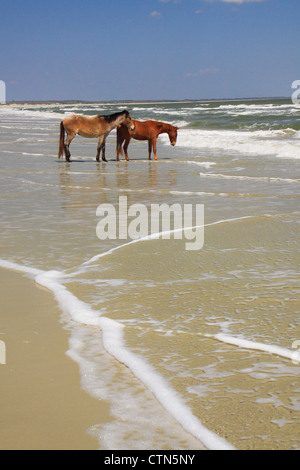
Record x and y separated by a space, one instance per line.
172 302
42 405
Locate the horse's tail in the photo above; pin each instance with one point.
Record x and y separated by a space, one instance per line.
119 140
61 140
119 149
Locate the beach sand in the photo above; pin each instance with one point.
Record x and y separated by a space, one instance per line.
171 302
41 403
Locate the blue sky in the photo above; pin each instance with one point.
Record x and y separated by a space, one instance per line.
148 49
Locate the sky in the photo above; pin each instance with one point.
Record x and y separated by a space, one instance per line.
102 50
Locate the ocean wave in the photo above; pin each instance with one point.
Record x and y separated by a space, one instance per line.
16 112
280 143
140 108
263 108
203 125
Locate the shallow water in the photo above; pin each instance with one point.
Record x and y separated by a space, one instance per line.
156 329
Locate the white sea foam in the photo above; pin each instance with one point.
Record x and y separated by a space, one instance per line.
156 236
10 112
250 178
258 109
112 336
247 344
248 142
206 165
140 108
112 333
283 143
19 267
33 154
113 341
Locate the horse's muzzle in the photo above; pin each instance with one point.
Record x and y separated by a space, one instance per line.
173 143
132 128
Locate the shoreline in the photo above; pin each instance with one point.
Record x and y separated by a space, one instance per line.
243 284
54 103
42 404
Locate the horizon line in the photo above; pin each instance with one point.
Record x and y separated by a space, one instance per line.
183 100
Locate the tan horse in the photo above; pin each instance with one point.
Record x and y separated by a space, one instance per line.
146 130
91 126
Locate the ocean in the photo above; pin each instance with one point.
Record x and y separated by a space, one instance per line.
191 348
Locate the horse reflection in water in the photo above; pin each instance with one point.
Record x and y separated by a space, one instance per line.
91 127
144 130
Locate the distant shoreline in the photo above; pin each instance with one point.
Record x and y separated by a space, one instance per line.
54 103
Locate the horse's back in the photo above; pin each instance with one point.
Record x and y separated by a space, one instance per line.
71 120
144 129
79 118
86 126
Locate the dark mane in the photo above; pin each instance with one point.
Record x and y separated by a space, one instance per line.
112 117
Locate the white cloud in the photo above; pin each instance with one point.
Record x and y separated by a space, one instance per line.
155 14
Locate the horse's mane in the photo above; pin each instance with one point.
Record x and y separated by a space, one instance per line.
112 117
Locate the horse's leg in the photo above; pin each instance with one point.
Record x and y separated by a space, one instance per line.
149 148
70 137
154 148
103 150
101 146
127 140
120 140
100 141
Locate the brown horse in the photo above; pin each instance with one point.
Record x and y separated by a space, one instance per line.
91 126
146 130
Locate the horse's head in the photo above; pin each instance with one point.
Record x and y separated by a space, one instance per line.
173 135
128 122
